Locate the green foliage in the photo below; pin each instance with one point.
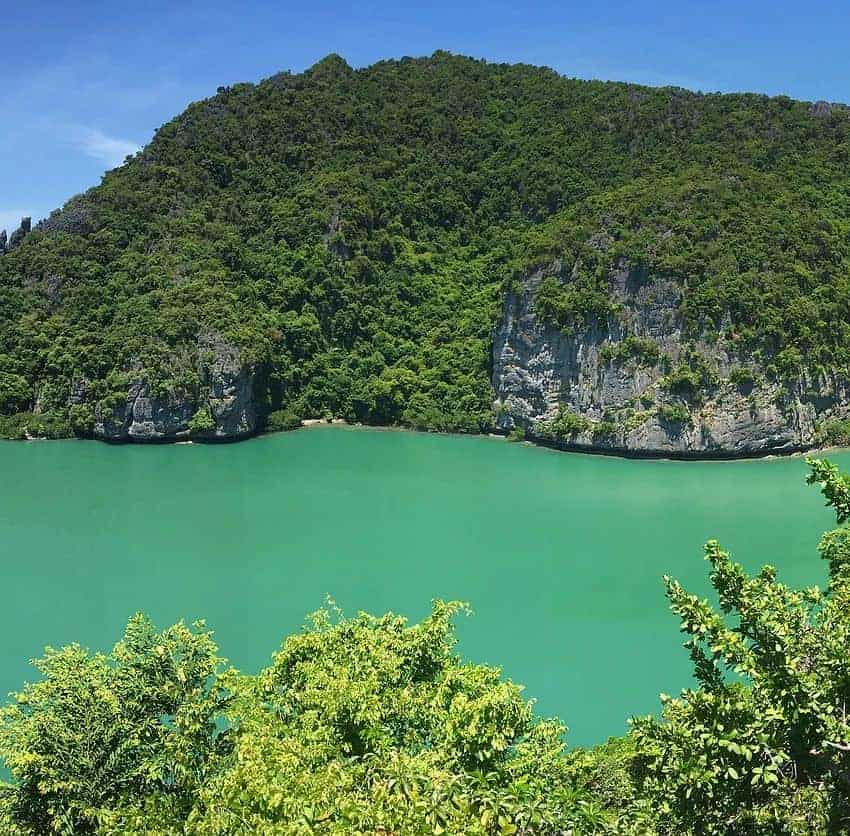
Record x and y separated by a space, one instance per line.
742 377
564 426
834 485
836 433
645 351
29 425
674 413
15 392
99 733
352 232
749 231
683 381
282 419
81 419
202 421
368 725
690 378
573 305
635 419
762 745
363 725
603 430
372 725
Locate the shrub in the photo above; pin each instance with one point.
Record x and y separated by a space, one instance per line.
683 381
762 745
81 419
674 413
742 377
202 421
642 349
24 424
603 430
282 419
836 433
15 392
564 426
363 725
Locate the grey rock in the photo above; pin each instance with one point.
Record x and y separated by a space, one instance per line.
333 237
73 218
20 233
49 286
539 369
226 389
3 241
79 391
230 389
821 109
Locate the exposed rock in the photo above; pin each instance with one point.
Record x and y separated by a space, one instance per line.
3 241
333 237
230 389
821 109
20 233
79 390
620 401
227 390
50 286
74 218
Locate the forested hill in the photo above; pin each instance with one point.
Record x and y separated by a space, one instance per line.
341 242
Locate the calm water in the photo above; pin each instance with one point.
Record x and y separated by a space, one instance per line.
560 555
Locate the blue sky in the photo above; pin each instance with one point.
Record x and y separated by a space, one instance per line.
83 84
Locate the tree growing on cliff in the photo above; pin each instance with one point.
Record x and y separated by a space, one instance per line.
202 421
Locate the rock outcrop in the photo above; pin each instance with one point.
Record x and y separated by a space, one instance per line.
226 393
611 386
74 218
20 233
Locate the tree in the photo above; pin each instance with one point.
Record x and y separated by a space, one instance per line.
763 745
361 725
202 421
371 725
133 729
368 725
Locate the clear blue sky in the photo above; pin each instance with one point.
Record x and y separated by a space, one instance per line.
85 83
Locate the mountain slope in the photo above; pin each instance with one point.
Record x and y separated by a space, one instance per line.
347 242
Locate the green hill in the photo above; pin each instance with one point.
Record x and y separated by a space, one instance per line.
339 242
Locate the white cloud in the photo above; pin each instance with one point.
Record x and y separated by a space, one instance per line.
110 150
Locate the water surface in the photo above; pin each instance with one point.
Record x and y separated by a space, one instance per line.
561 555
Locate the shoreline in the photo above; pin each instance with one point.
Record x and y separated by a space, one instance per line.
541 443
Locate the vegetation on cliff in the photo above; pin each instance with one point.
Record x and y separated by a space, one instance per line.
351 232
372 725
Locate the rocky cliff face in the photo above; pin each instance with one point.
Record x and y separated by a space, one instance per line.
7 244
613 386
226 392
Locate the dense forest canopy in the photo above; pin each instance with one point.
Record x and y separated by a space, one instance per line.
370 725
352 231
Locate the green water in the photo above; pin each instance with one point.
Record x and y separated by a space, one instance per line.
560 555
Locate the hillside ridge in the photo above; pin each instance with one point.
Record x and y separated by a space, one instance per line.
347 242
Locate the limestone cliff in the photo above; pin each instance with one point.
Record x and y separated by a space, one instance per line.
226 390
612 386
